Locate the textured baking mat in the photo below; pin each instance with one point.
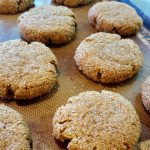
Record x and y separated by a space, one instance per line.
39 112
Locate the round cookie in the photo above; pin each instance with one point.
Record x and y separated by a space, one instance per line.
145 93
115 17
14 133
97 121
27 70
48 24
73 3
106 58
14 6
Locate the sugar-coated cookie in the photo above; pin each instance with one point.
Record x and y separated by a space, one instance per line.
14 6
145 93
48 24
97 121
73 3
14 133
26 70
106 58
115 17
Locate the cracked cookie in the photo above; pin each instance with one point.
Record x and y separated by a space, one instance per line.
145 93
106 58
115 17
14 133
97 121
14 6
26 70
48 24
73 3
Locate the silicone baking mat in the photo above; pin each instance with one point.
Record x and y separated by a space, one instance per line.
39 112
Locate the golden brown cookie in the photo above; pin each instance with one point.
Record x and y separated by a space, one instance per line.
145 145
97 121
27 70
14 6
106 58
145 93
48 24
73 3
115 17
14 133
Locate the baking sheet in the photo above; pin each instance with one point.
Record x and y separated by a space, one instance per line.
39 112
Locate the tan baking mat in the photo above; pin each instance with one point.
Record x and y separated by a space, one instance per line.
39 112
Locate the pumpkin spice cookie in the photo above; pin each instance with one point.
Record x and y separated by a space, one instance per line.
97 121
73 3
106 58
14 133
14 6
48 24
115 17
145 93
26 70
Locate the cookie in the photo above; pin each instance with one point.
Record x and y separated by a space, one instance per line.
14 6
14 133
72 3
27 70
145 145
145 93
48 24
115 17
106 58
97 121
